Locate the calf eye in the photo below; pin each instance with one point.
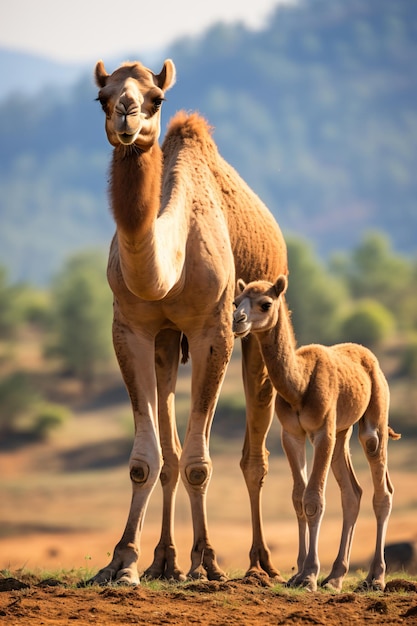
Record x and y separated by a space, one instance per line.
265 306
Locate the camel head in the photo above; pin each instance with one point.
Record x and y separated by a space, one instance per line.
257 305
131 98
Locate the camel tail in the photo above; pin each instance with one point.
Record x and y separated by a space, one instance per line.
392 434
185 351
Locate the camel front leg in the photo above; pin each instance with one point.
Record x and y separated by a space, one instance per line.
209 361
135 354
314 501
351 493
294 446
165 564
260 397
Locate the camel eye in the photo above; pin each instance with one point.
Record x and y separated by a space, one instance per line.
103 102
157 103
265 306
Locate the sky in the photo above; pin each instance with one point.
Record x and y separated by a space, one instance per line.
82 31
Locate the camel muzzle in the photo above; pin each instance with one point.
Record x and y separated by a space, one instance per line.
240 325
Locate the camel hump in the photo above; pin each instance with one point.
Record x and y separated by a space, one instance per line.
189 125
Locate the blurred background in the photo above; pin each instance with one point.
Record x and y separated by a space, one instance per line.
314 102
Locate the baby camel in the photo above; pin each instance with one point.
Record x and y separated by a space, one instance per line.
322 392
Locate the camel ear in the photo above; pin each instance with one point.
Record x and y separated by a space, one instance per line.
241 285
281 285
167 76
100 74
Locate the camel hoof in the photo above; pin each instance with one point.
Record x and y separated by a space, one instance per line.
366 585
308 583
197 574
111 577
126 578
125 581
332 584
167 573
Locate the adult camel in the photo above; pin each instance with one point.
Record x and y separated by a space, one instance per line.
186 224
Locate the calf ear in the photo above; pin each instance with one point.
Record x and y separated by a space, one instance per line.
281 285
241 285
100 74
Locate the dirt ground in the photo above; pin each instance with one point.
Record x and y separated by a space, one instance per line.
64 503
28 504
236 602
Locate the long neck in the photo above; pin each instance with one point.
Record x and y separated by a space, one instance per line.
150 250
135 190
278 347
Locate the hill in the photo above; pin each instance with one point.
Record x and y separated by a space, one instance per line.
27 74
317 112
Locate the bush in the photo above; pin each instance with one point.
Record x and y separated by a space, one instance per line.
23 411
48 417
17 396
369 323
408 364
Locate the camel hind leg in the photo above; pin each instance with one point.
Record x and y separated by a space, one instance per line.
351 493
209 362
260 397
165 564
373 435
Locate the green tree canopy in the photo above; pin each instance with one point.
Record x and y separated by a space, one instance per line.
17 396
10 311
373 270
314 296
368 323
82 305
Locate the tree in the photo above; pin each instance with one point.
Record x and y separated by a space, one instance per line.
374 271
314 296
10 311
82 311
368 323
23 410
17 396
47 418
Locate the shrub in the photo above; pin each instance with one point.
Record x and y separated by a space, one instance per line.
368 323
47 418
408 364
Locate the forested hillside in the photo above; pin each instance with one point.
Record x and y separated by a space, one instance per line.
317 112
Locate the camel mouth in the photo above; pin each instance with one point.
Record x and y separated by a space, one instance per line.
241 332
126 139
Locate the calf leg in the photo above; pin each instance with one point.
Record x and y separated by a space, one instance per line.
295 450
374 442
351 493
314 502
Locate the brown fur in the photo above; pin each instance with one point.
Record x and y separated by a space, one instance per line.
185 223
322 392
